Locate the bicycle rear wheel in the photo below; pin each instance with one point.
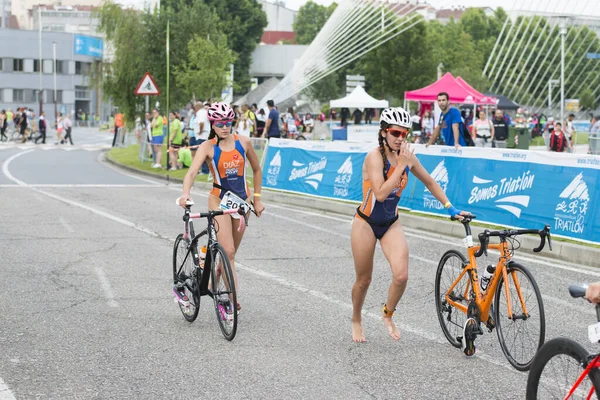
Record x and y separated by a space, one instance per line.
452 320
185 274
556 368
223 290
522 336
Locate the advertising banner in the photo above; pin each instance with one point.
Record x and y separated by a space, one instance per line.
88 46
518 188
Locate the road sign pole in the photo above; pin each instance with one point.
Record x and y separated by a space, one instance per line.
167 110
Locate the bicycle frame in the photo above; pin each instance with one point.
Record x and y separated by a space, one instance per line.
484 302
595 363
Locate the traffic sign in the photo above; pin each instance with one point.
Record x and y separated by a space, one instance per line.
147 86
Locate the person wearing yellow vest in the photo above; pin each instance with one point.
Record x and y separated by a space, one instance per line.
176 139
157 137
250 116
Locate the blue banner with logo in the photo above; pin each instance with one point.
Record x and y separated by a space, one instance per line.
323 169
88 46
517 188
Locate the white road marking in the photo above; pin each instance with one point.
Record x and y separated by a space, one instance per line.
108 292
76 185
5 392
67 226
7 173
101 159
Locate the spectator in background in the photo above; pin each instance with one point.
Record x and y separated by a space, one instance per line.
357 116
119 124
594 132
272 124
185 158
261 120
23 125
449 124
176 139
201 129
244 125
558 140
344 115
309 123
570 133
157 137
369 112
250 117
42 128
501 130
138 128
148 133
548 129
59 128
3 126
483 131
427 125
290 123
68 125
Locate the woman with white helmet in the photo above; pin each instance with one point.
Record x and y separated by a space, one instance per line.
228 155
385 175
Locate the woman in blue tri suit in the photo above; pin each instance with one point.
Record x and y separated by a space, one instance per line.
385 175
227 155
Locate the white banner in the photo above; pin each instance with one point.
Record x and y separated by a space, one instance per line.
362 133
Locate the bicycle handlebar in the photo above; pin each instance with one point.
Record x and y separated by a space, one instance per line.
242 211
579 291
484 237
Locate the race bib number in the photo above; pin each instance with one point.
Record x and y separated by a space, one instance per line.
231 201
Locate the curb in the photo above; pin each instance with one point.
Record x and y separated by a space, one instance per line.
562 251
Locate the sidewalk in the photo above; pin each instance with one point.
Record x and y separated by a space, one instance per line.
564 251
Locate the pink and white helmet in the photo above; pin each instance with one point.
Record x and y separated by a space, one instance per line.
220 112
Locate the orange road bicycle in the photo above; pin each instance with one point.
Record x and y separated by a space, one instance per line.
510 302
564 369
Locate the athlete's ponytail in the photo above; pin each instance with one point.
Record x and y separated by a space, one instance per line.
383 125
212 133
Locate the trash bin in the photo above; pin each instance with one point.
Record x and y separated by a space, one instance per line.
594 144
519 138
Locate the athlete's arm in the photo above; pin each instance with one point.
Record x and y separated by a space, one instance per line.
201 154
435 189
256 173
381 187
267 125
456 133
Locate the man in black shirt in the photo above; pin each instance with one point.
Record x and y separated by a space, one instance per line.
500 129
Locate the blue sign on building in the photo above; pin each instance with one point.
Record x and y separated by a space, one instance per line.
88 46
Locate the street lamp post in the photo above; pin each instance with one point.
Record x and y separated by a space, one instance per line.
41 66
563 34
54 70
551 83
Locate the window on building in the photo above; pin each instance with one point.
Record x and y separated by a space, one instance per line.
28 96
82 68
50 96
1 65
18 64
1 95
18 95
61 67
36 65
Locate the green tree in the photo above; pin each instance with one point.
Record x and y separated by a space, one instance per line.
203 75
310 19
587 100
243 21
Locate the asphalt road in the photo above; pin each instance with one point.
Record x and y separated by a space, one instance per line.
86 309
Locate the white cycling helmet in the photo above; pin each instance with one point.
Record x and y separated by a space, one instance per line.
396 116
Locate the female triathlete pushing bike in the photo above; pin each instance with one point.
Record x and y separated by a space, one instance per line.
385 175
227 155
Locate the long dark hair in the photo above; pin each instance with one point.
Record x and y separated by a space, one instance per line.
212 133
383 126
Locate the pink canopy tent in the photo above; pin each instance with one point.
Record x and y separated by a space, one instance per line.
480 97
456 90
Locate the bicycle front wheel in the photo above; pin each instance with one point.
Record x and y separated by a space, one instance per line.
522 335
555 369
223 291
452 320
184 274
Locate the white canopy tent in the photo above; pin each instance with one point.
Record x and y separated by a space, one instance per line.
359 98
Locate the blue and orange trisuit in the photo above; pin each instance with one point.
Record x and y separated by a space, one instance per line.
381 215
228 169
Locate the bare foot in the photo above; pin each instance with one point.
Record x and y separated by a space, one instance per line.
357 333
393 331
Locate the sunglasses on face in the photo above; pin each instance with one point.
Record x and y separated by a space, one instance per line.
221 124
397 133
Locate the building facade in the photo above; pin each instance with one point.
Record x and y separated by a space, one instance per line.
72 19
21 80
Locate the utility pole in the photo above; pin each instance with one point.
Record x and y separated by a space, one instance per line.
563 34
